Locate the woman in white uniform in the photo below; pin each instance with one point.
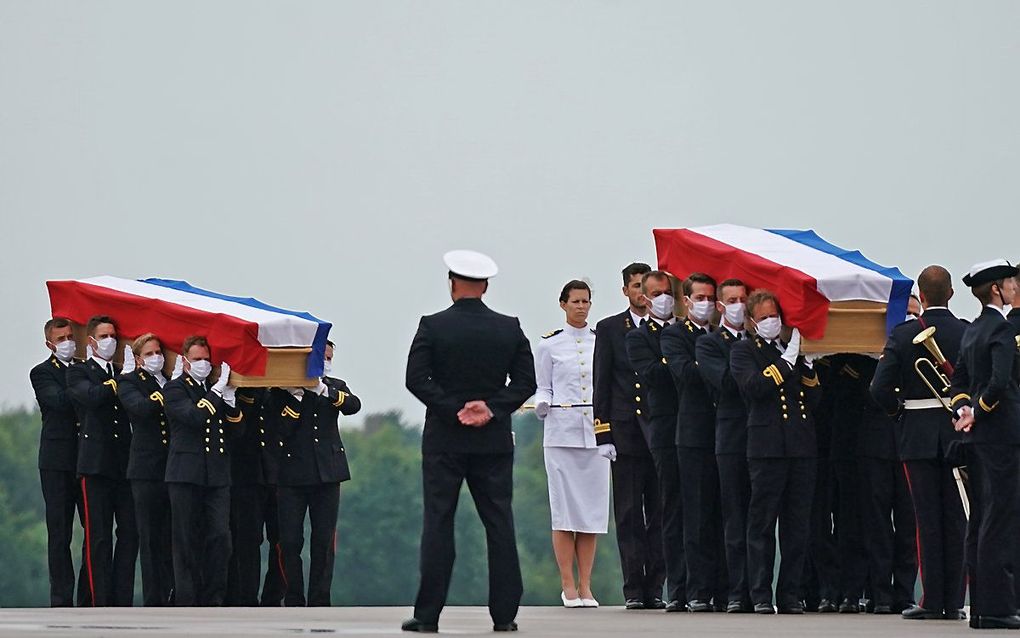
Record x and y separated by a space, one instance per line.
578 469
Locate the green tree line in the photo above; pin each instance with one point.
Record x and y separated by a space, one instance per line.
379 523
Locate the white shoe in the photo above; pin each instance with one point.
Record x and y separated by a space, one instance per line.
589 602
571 603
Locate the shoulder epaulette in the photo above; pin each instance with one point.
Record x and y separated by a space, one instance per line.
553 333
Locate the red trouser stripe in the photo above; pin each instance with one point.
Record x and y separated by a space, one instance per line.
279 562
88 541
917 535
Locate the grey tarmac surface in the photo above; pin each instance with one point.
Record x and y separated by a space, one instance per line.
461 621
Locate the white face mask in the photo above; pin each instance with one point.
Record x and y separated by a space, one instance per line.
200 369
105 347
153 363
701 310
734 313
327 367
64 350
662 306
769 328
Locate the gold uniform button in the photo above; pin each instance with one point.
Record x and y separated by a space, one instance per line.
262 430
315 427
262 418
637 385
803 416
221 430
281 443
162 422
316 440
638 411
262 443
164 441
315 415
637 399
207 450
208 420
801 393
341 449
288 455
207 430
221 451
786 416
206 439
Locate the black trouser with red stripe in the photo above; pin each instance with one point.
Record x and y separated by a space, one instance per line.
152 509
273 587
110 569
247 504
322 504
201 538
887 517
941 526
636 507
61 493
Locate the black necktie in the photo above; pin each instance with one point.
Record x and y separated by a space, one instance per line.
740 335
644 321
109 369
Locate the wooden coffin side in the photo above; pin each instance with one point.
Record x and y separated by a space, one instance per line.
285 367
854 326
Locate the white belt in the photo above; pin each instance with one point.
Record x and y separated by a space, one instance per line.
923 404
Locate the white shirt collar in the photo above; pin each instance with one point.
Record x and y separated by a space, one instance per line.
933 308
662 323
637 319
102 363
735 333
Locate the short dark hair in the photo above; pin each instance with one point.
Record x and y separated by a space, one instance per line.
194 340
728 283
760 296
697 278
53 324
636 268
97 321
984 291
573 284
936 284
655 274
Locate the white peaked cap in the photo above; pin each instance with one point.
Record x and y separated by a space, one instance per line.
470 264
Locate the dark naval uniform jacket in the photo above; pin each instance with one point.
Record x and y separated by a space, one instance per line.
713 357
200 424
987 378
779 401
142 398
645 354
58 440
105 444
923 434
618 392
695 408
465 353
312 451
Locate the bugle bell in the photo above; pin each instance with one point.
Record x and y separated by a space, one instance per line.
926 338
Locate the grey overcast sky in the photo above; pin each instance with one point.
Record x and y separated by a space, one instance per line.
323 155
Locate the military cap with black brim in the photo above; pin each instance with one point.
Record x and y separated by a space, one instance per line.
988 271
470 265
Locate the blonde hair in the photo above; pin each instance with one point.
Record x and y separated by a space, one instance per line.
139 343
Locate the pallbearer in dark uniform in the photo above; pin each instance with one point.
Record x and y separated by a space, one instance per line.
103 453
645 355
247 502
58 457
313 463
986 401
202 416
926 444
821 573
458 366
695 441
887 514
273 585
635 485
780 389
140 389
712 353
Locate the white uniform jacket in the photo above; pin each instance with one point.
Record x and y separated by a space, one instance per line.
563 370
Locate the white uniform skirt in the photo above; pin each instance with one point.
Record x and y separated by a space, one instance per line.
578 489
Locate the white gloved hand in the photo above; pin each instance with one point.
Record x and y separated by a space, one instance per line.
221 383
230 396
542 409
178 367
296 392
129 361
322 388
608 450
793 349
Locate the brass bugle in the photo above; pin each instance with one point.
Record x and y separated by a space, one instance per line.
927 338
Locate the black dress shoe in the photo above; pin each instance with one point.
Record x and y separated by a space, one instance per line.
764 608
920 613
634 603
882 609
826 606
738 607
655 603
849 607
955 614
792 608
413 624
995 622
507 626
699 606
675 605
901 606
